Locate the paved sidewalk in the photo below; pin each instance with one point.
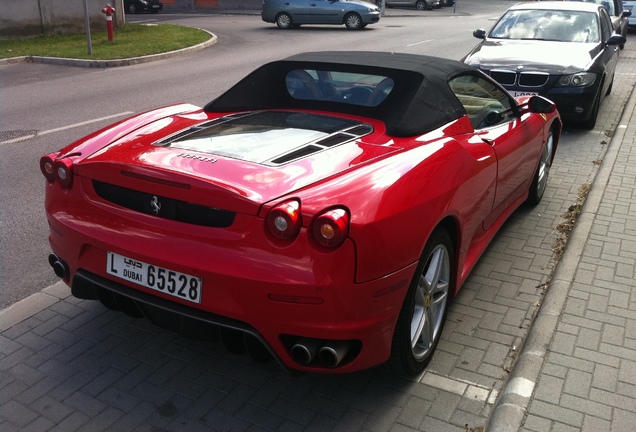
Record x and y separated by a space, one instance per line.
577 370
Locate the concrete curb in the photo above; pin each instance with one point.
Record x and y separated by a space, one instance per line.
510 410
113 63
33 304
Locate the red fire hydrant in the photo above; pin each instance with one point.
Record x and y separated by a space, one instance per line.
109 11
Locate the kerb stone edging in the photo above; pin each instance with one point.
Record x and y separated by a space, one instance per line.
116 62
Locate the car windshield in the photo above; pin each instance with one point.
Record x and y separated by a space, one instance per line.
336 86
552 25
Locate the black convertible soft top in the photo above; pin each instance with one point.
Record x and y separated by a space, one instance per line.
420 101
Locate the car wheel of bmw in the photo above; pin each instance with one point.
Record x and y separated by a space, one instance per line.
591 122
132 9
609 89
353 21
284 21
540 180
422 316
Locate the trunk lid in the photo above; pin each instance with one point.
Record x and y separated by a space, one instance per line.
235 162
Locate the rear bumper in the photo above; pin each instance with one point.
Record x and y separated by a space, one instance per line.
367 338
252 292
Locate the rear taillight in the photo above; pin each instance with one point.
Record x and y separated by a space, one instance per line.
284 220
331 228
60 170
46 166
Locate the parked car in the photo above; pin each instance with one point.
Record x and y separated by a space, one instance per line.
617 13
323 211
630 6
565 51
417 4
137 6
354 14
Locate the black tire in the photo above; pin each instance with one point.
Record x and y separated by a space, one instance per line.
624 34
609 89
422 5
284 21
421 320
132 8
591 121
540 179
353 21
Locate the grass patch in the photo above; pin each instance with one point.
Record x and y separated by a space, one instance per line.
132 40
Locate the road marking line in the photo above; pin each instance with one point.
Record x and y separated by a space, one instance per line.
460 387
125 113
419 43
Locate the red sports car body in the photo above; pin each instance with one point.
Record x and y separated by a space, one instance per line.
323 211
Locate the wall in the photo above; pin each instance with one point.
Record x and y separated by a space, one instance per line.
35 17
195 5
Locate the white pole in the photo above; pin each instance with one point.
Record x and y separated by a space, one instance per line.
87 24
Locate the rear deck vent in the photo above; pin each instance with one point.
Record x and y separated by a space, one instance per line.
360 130
297 154
176 136
169 208
335 139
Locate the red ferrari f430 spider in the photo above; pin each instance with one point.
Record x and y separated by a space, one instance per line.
322 212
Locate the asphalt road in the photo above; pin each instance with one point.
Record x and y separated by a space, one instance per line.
60 104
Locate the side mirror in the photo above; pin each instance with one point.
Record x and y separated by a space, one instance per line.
616 39
480 34
541 105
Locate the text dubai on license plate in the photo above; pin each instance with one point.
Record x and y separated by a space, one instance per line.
174 283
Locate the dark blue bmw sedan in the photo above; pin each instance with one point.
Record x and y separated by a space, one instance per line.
564 51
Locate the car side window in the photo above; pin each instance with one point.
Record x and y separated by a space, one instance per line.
486 104
606 25
609 6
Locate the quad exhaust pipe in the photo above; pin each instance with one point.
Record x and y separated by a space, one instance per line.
328 353
60 268
332 353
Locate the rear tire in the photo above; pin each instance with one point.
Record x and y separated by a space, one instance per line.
284 21
421 320
132 9
422 5
540 180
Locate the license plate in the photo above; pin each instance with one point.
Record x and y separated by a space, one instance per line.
518 93
171 282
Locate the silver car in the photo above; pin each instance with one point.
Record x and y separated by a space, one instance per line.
417 4
630 5
354 14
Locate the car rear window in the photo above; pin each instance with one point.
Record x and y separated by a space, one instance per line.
335 86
